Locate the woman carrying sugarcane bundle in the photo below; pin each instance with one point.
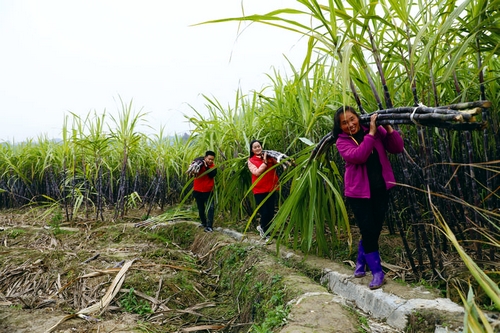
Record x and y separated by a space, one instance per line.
265 183
204 171
367 180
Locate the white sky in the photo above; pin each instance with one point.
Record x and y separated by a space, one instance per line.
61 56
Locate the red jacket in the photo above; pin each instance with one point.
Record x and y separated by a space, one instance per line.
269 181
205 182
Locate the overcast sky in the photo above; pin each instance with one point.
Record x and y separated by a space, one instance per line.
62 56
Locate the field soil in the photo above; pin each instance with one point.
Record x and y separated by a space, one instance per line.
168 275
131 276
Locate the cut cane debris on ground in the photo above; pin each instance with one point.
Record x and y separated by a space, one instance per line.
173 277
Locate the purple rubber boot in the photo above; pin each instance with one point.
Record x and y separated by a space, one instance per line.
359 271
375 264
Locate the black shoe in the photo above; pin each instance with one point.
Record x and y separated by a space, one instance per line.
202 225
208 229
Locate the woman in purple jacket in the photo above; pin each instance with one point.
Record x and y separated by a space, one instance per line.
367 180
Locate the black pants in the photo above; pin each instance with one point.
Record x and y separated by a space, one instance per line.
204 200
266 211
370 215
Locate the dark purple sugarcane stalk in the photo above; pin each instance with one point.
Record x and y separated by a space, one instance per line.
442 143
467 114
472 175
157 181
411 71
322 147
120 199
389 105
432 174
374 89
416 102
378 62
86 187
486 140
416 117
466 105
73 188
432 123
64 194
356 97
430 178
402 234
99 204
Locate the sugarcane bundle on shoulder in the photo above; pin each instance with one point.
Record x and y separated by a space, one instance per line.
278 156
461 116
195 166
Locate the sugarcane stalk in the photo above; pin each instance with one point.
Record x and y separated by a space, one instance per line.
415 118
478 126
378 62
461 126
389 105
430 175
414 212
409 252
485 117
411 71
475 194
372 86
420 130
467 105
467 113
356 97
323 145
99 204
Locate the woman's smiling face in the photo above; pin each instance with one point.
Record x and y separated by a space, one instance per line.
256 148
349 123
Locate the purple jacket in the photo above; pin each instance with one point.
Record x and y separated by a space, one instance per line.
356 184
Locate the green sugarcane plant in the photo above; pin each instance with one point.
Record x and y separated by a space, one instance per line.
126 139
421 59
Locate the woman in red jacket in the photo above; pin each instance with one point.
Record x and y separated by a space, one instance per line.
265 182
367 180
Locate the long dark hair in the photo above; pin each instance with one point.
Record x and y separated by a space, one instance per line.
336 119
251 144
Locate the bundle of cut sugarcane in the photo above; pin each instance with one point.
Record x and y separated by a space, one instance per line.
459 116
278 156
195 166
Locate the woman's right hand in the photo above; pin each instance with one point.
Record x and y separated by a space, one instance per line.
373 124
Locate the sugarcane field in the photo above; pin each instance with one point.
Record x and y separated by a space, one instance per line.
100 229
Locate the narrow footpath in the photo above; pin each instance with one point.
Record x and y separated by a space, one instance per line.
325 306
